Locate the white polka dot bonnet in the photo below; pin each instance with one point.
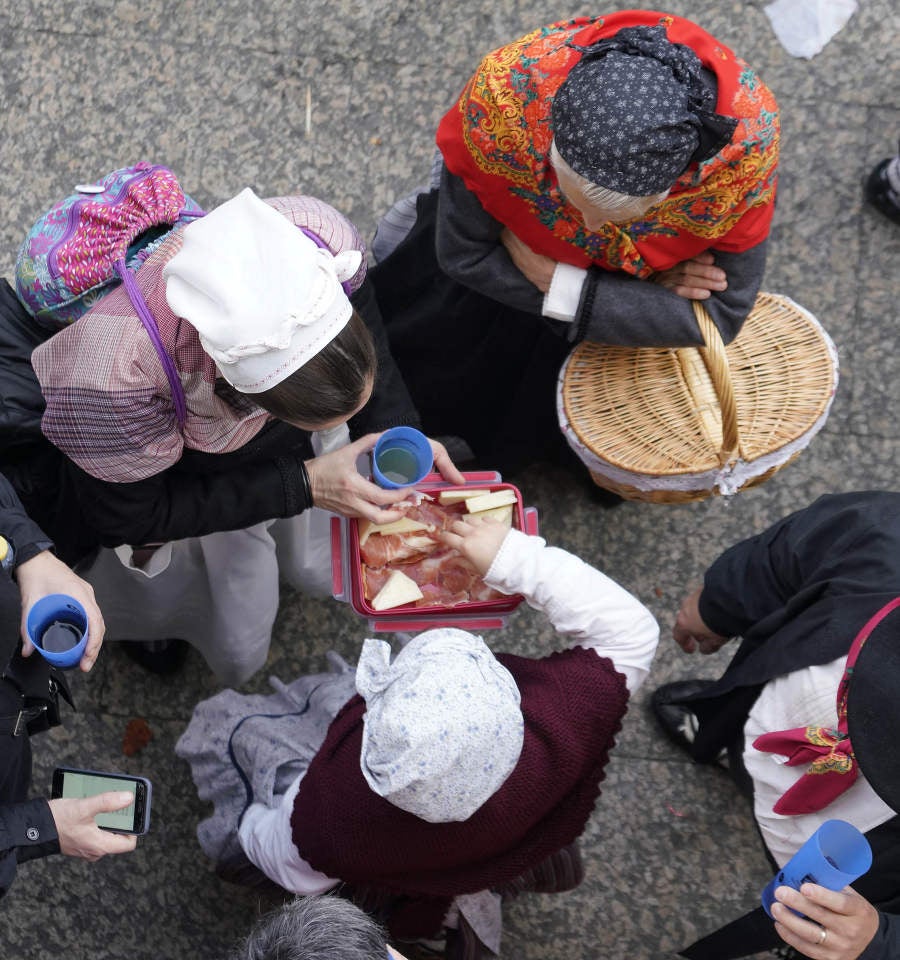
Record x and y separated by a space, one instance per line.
633 113
443 724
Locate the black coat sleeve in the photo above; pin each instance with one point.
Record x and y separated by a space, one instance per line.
178 503
27 828
27 831
615 307
21 400
841 543
885 945
621 309
27 538
469 251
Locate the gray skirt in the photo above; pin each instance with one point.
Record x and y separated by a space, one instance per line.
249 748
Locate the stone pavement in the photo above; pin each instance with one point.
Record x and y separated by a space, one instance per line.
340 100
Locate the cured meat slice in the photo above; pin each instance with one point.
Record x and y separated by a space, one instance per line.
456 574
437 515
381 550
435 596
427 571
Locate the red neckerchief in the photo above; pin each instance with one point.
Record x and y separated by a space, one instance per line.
833 767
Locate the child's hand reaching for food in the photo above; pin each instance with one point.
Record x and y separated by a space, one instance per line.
478 539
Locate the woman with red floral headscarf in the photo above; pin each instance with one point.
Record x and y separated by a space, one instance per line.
597 175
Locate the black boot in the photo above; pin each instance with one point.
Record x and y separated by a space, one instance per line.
882 189
678 721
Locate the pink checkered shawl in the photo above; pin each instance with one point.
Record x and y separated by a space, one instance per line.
109 406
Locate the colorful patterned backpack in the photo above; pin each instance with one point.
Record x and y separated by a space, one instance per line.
97 237
69 258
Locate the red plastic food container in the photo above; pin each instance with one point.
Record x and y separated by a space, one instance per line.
347 581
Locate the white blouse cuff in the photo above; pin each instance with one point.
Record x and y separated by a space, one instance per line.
562 299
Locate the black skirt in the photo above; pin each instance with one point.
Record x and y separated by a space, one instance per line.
476 368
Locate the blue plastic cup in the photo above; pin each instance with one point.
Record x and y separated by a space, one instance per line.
402 457
835 855
57 625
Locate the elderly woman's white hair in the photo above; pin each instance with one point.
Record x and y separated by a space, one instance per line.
315 928
624 206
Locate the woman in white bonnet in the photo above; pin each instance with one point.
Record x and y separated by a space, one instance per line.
451 775
263 310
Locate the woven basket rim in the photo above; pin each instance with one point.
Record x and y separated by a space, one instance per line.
825 360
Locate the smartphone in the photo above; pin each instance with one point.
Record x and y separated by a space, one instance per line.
135 818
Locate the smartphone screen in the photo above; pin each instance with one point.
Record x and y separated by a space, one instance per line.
86 783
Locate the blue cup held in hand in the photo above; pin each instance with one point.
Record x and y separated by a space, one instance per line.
401 458
57 625
835 855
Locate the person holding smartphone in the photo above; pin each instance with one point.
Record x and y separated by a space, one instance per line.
31 828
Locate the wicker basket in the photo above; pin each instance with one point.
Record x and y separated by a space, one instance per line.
677 425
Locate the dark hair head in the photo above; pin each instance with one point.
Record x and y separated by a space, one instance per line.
330 386
315 928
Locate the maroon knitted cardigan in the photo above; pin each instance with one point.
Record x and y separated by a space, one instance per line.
573 703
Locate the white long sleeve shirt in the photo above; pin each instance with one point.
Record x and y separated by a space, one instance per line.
803 698
580 603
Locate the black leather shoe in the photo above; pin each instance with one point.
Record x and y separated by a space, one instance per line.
879 192
678 722
158 656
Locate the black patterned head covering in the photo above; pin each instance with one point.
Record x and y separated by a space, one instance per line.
633 113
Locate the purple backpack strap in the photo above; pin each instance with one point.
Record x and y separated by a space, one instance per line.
319 242
146 317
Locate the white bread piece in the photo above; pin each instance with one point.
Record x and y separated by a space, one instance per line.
457 494
499 498
403 525
503 514
397 590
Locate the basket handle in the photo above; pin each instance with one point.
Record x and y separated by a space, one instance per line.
716 361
